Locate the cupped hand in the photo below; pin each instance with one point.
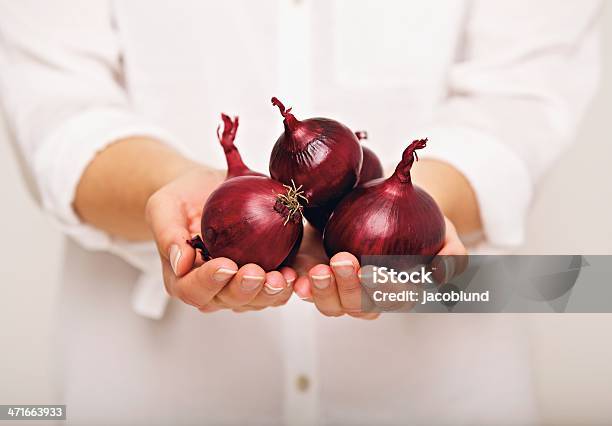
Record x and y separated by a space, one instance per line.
174 214
334 286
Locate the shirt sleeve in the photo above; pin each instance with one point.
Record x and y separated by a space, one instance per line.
62 90
524 75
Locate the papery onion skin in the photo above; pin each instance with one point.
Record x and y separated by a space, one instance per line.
387 217
322 155
235 164
244 220
371 169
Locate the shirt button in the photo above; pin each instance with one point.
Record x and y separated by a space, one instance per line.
302 382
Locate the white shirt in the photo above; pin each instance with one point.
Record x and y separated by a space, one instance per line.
497 87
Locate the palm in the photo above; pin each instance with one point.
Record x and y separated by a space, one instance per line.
311 251
189 193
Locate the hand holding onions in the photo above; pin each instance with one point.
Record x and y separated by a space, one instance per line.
174 213
317 168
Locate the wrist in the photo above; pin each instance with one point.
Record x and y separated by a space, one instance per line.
167 165
115 187
452 192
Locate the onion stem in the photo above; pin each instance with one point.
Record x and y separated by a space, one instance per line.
402 171
289 119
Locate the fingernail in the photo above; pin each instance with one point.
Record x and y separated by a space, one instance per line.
251 282
290 282
321 281
175 257
344 268
223 274
272 290
366 276
366 272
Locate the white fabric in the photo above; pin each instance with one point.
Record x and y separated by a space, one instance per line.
193 369
498 87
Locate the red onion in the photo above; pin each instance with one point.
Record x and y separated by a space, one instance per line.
370 170
322 155
372 167
249 208
251 219
385 217
235 165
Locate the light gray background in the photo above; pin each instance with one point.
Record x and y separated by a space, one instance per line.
572 213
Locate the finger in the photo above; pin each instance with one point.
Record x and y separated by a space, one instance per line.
275 291
212 306
365 316
244 287
194 219
302 288
452 260
445 268
200 286
283 297
208 309
289 274
324 291
246 308
168 221
345 267
452 242
274 285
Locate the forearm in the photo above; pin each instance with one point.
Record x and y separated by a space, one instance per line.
115 187
452 191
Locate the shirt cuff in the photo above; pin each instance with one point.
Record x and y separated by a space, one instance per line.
499 177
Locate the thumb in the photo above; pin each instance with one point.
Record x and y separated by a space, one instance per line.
169 222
